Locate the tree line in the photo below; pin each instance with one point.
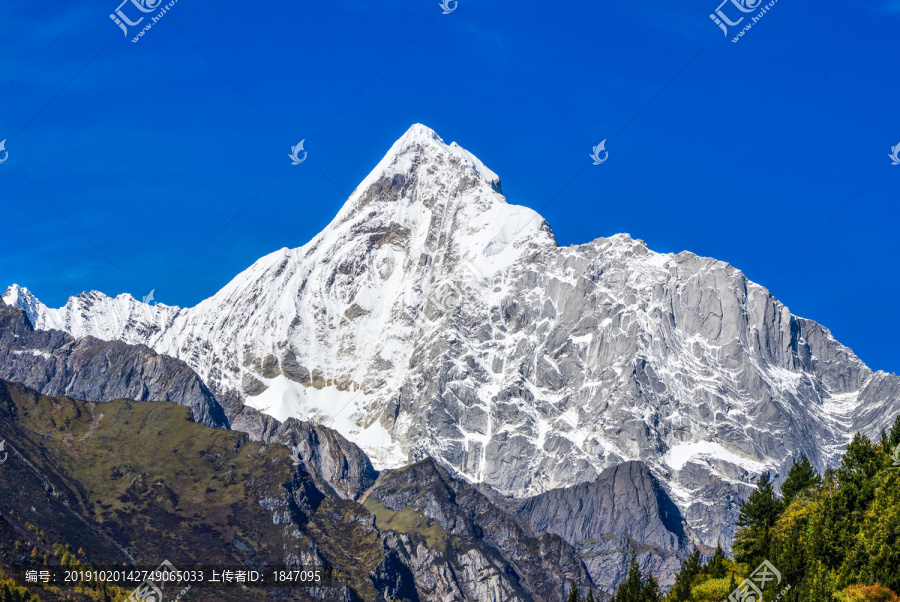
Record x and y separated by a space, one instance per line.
831 537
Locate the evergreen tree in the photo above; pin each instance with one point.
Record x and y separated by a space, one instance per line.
758 514
820 585
573 594
824 541
633 589
650 590
590 595
879 538
855 474
762 507
801 477
715 568
630 589
894 437
684 581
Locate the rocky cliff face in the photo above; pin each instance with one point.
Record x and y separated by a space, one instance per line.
340 464
54 363
624 510
433 319
491 554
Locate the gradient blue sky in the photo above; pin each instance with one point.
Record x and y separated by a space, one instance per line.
771 154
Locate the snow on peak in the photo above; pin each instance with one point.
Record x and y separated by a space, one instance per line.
424 186
420 134
417 134
11 296
21 297
417 150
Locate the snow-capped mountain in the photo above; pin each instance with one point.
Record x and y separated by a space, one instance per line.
432 318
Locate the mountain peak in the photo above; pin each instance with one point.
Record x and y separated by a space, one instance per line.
422 145
431 199
419 134
21 297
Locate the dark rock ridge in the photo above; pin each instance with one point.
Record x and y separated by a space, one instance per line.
338 465
625 509
338 462
514 562
54 363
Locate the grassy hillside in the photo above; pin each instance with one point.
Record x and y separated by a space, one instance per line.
139 483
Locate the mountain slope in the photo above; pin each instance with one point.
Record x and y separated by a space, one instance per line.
433 319
55 363
136 483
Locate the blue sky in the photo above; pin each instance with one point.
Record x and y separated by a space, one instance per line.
163 163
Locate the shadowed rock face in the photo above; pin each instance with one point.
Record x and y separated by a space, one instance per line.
625 509
54 363
514 562
341 464
626 499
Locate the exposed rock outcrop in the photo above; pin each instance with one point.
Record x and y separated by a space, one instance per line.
624 510
54 363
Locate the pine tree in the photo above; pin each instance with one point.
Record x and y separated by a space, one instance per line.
650 590
894 437
630 589
573 594
879 538
801 477
590 595
758 514
762 507
855 474
684 581
715 568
